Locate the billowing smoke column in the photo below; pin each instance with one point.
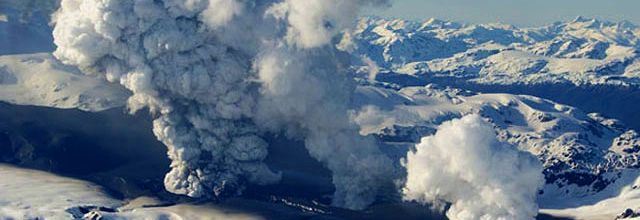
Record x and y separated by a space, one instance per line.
465 165
216 74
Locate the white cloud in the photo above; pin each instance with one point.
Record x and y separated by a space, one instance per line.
465 165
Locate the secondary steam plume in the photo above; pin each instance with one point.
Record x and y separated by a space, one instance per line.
218 73
465 165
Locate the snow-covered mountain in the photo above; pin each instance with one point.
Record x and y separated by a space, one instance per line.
590 64
40 79
582 154
583 51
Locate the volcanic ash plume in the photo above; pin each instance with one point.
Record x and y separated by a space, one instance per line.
465 165
217 74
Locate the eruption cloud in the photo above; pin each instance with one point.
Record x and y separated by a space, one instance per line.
218 74
465 165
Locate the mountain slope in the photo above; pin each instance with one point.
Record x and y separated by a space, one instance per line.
39 79
580 51
582 154
590 64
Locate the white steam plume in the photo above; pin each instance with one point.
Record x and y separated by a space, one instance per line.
465 165
372 67
306 94
314 23
217 74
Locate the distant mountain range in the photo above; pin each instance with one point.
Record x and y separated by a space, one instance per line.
587 63
582 51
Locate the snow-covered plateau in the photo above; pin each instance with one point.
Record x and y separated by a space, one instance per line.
560 101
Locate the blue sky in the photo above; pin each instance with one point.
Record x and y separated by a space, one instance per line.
517 12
